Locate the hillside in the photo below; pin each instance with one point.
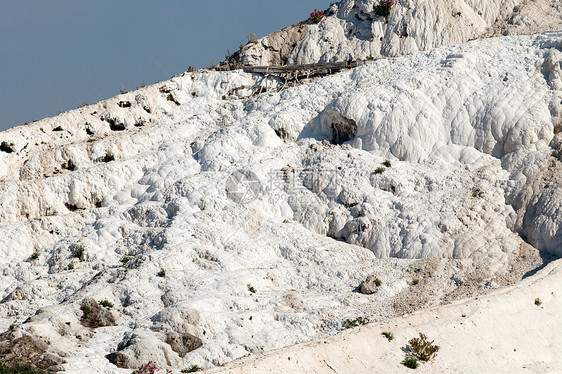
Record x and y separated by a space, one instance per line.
221 214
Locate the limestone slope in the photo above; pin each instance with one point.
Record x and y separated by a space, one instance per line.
503 332
220 221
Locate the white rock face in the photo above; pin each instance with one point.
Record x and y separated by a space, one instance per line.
248 222
352 27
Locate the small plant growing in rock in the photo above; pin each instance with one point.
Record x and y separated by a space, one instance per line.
251 38
388 335
317 16
251 288
161 273
18 370
378 282
538 302
423 349
383 8
190 69
35 256
192 369
149 368
106 303
379 170
85 311
415 281
410 362
387 163
77 252
125 259
350 323
70 266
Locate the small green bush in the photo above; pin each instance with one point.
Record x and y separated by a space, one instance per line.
251 288
161 273
350 323
380 170
77 252
106 303
19 370
387 163
70 266
35 256
85 311
410 362
378 282
415 281
192 369
388 335
538 301
125 259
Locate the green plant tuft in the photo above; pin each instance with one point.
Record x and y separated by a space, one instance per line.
415 281
19 370
161 273
410 362
538 301
387 163
380 170
35 256
350 323
106 303
251 288
77 251
192 369
388 335
85 311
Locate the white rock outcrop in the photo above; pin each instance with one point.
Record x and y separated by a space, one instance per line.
352 27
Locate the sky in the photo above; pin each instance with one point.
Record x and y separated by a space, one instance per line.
56 55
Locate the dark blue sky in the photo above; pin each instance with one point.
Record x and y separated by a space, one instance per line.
58 54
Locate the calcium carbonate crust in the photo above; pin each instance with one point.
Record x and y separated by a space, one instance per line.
134 185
